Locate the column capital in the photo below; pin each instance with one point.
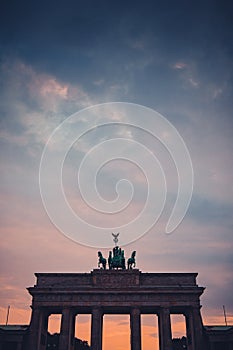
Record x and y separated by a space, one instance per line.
97 308
97 311
164 312
134 310
66 308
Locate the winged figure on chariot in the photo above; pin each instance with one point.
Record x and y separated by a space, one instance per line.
116 257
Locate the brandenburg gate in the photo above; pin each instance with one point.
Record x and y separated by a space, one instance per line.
125 291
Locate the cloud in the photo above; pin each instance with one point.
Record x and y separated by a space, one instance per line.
16 315
210 212
37 102
193 82
188 73
179 65
99 82
154 335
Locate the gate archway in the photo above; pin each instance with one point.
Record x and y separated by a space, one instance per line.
115 292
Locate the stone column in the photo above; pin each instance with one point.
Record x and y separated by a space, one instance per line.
135 329
189 330
165 333
44 330
34 337
67 330
194 329
72 333
96 328
198 331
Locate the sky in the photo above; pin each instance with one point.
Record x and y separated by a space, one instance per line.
173 57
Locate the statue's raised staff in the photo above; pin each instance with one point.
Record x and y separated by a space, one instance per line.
131 261
102 261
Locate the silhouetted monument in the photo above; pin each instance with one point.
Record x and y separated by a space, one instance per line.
117 290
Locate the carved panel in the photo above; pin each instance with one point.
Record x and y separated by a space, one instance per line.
115 279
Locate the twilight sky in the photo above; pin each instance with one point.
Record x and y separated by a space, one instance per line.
174 57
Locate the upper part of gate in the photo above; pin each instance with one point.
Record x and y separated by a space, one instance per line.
116 291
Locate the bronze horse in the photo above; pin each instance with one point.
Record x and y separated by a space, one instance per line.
131 261
102 261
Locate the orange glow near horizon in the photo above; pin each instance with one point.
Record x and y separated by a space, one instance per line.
149 330
83 327
22 316
54 323
116 334
116 328
178 326
16 315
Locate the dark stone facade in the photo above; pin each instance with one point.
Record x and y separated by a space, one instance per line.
115 292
